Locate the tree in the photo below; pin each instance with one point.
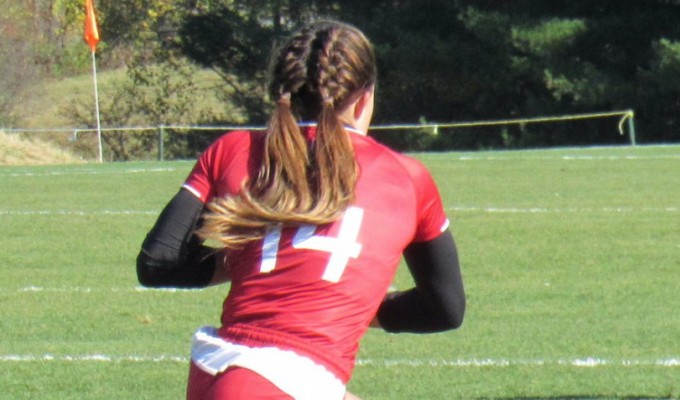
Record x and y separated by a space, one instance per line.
16 70
439 60
232 45
472 59
36 41
152 95
445 60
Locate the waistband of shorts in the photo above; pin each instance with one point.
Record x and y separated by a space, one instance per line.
297 375
262 337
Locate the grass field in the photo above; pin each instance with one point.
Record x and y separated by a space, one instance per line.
571 261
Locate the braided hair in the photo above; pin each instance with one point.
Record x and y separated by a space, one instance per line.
313 76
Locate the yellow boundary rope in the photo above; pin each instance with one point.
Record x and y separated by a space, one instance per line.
625 115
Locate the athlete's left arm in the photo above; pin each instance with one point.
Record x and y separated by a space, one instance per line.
437 302
172 256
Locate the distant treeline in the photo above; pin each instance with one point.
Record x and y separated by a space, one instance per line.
440 60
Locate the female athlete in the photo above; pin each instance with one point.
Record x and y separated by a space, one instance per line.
312 217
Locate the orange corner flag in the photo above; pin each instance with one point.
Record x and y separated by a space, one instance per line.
91 35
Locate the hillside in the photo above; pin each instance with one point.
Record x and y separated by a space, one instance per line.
15 150
57 107
48 104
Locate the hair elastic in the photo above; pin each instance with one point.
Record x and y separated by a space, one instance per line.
285 99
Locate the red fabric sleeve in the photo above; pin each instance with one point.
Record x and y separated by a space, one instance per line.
432 219
201 180
222 166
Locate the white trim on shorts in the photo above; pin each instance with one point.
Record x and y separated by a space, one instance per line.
296 375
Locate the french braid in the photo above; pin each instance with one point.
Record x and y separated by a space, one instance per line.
314 75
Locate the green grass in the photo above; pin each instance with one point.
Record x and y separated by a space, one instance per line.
568 256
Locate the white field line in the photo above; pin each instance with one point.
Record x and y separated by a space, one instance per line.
576 362
90 357
564 158
575 210
77 212
490 209
88 172
380 363
81 289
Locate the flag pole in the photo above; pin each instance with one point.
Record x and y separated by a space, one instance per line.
96 107
91 37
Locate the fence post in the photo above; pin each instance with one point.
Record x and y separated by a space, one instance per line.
161 134
631 130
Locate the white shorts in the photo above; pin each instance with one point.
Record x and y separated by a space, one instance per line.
298 376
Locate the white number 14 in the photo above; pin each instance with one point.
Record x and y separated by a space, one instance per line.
341 248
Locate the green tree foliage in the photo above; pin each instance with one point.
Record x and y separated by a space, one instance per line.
607 63
36 41
467 60
444 60
235 38
439 60
231 43
153 95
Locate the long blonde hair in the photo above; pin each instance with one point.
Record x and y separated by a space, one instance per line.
314 75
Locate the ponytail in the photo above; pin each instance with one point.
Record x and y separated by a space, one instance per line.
283 177
336 167
298 182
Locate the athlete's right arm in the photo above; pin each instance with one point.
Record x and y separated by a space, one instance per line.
437 302
172 256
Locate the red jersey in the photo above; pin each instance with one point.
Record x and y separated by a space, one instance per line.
315 289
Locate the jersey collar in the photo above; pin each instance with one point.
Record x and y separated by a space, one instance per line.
348 128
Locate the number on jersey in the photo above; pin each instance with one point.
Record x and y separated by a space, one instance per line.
341 248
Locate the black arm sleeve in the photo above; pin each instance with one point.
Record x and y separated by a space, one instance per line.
437 302
171 255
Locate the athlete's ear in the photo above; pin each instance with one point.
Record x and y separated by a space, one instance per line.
361 103
363 108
